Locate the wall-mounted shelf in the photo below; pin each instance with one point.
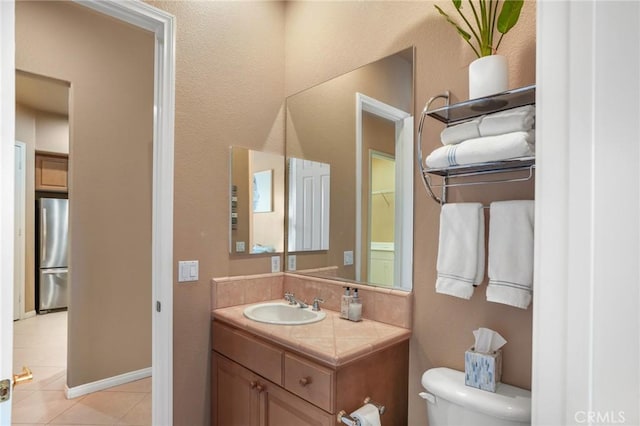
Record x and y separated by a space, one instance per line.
452 114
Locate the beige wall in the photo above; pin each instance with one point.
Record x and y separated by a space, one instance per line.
52 132
110 68
349 34
229 91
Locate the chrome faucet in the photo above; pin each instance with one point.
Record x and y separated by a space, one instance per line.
289 297
316 304
300 303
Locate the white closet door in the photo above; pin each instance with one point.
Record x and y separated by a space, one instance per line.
309 190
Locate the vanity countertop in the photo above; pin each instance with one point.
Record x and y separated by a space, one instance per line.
333 341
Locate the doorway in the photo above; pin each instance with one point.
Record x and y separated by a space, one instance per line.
160 24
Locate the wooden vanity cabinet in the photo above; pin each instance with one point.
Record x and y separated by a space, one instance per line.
255 382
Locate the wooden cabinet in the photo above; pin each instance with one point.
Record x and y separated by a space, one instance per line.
257 382
243 398
52 172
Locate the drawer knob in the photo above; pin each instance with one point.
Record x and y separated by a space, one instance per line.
260 388
304 381
253 384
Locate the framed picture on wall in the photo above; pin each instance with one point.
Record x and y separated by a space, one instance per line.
263 191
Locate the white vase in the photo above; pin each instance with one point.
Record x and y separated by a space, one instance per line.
488 75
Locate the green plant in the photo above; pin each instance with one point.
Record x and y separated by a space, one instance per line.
486 22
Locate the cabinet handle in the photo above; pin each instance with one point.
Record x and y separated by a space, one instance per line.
304 381
253 384
260 388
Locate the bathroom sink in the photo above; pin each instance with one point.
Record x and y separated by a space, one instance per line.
283 314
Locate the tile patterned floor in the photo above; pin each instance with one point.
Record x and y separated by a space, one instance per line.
41 344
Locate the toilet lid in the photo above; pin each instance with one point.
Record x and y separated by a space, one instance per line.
508 402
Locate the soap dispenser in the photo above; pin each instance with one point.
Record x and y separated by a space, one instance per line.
344 303
355 307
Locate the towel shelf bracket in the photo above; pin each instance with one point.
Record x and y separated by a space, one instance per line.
451 114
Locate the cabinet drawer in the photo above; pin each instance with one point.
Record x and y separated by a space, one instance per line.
309 381
264 359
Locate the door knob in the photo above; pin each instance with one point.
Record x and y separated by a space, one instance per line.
24 377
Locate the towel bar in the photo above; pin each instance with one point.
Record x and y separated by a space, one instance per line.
463 111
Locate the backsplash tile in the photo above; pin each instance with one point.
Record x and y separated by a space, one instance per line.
379 304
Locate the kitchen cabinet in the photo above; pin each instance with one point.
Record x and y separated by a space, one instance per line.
258 382
52 171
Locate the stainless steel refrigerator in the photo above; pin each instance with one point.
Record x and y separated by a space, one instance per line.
53 253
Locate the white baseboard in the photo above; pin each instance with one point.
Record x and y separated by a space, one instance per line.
107 383
29 314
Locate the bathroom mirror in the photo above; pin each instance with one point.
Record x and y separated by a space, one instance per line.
360 126
257 202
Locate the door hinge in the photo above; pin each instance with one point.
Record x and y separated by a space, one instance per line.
5 390
158 306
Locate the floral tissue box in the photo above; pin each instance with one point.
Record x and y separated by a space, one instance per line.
482 371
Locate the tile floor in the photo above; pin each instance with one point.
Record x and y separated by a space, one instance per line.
41 344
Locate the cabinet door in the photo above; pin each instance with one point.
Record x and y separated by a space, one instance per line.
281 408
236 399
51 172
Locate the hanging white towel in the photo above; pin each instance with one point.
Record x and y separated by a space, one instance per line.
511 253
461 249
460 132
519 119
481 150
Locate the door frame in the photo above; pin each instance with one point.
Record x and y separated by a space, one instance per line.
162 25
19 242
403 262
7 139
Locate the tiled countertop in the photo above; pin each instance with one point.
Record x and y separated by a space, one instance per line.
333 341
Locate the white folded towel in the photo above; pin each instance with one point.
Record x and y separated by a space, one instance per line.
461 249
519 119
480 150
460 132
511 253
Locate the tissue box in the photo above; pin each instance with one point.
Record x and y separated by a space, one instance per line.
482 371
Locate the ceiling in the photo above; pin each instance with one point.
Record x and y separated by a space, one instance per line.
42 93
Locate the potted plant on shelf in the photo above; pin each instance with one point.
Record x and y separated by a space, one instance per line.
489 73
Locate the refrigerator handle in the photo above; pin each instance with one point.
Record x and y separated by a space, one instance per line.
44 232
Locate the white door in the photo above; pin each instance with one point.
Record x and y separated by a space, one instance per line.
309 185
7 137
19 225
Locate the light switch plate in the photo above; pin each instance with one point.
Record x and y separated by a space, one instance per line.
188 271
348 258
275 263
291 262
239 246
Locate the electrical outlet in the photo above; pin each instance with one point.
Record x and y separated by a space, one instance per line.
275 263
239 246
187 271
348 258
291 262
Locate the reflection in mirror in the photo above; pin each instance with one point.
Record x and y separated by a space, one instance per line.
309 201
360 125
382 204
257 202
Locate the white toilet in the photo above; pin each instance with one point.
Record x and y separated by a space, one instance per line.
451 403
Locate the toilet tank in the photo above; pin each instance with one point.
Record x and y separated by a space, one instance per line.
451 403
